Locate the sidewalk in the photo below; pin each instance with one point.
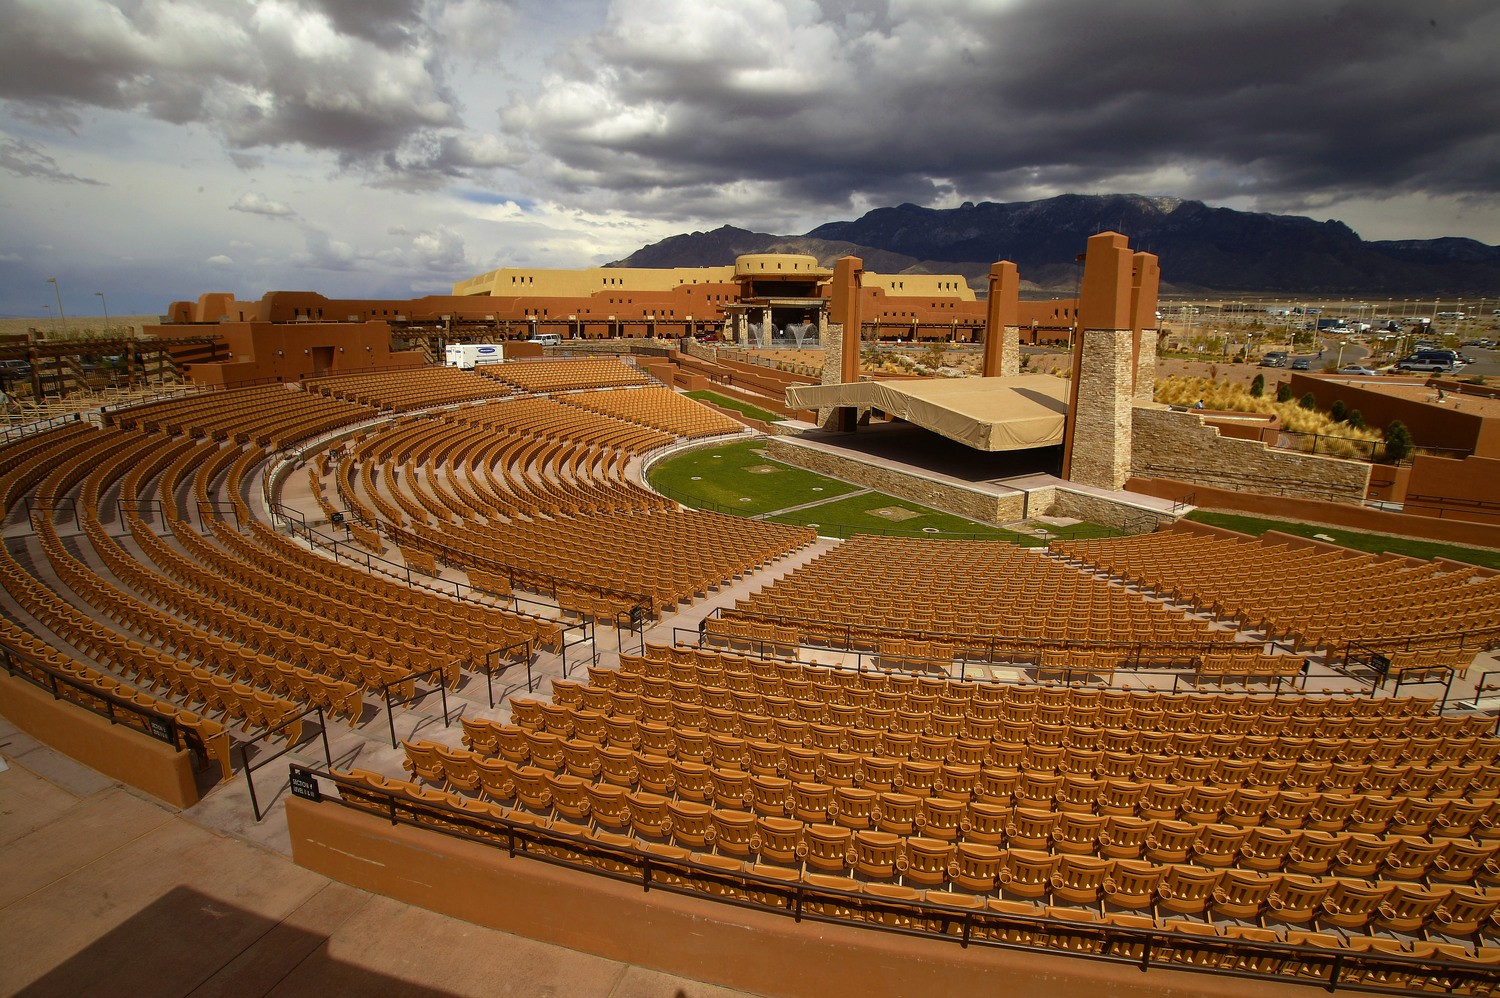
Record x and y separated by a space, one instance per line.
103 891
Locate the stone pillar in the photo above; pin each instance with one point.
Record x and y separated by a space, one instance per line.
765 323
1096 449
831 336
1103 398
1145 283
1145 365
1002 334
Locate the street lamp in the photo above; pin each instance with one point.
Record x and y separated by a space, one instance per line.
60 313
51 316
105 305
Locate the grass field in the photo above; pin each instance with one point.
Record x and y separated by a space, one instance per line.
738 477
745 408
854 515
1377 543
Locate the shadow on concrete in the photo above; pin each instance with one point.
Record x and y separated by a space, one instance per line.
186 942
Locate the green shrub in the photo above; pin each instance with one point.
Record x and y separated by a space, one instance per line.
1258 386
1338 411
1356 419
1283 392
1308 402
1397 441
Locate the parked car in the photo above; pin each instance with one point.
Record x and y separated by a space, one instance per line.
1432 361
1358 369
1302 364
1273 359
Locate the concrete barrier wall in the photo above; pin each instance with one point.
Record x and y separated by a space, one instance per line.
755 951
119 752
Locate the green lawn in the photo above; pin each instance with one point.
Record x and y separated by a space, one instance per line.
1378 543
852 515
723 477
738 478
724 402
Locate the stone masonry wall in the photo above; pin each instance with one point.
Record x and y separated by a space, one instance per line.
833 363
949 496
1010 352
1145 367
1107 512
1102 429
1177 445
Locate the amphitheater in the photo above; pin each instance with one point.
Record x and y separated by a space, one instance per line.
427 634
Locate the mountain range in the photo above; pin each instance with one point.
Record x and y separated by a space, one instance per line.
1201 248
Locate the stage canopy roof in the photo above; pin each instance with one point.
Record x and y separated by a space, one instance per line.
989 414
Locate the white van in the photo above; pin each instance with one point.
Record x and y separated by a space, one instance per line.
547 339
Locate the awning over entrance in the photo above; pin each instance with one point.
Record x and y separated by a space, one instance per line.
989 414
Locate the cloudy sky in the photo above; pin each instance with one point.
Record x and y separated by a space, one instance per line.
155 149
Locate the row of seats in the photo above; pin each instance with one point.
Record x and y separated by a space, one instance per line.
1029 898
710 667
403 391
565 375
1178 873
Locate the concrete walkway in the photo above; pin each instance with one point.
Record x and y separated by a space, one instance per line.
104 891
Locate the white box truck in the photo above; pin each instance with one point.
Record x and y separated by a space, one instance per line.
467 355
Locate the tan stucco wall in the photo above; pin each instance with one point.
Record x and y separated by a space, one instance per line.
581 283
754 951
119 752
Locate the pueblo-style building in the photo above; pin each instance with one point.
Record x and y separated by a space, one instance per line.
739 302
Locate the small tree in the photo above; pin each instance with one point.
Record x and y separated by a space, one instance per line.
1397 441
1307 401
1283 392
1338 411
1258 386
1356 419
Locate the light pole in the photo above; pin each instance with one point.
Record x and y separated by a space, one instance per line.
1340 362
60 313
51 316
105 305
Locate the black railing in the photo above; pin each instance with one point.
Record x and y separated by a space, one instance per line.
864 642
292 744
1143 948
115 708
416 695
494 661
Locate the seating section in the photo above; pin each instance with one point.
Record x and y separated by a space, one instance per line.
274 416
534 490
1342 818
659 408
542 376
896 795
1312 597
923 601
403 391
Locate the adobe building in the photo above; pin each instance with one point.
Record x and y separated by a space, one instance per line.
256 351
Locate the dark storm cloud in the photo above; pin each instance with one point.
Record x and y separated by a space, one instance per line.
362 79
1276 101
388 22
